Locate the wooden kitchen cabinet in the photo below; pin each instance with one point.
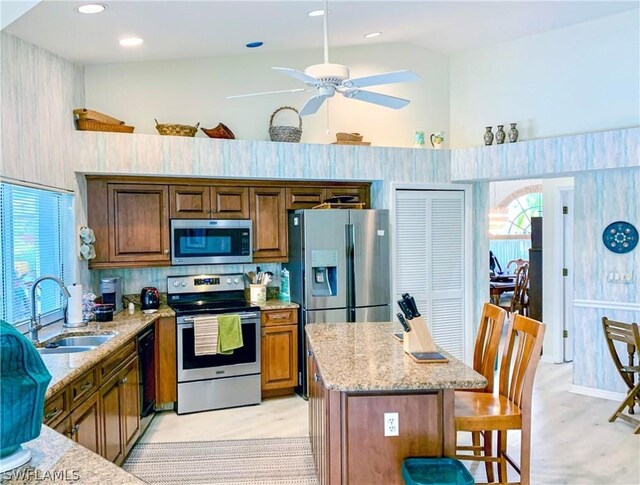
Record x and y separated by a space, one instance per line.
359 194
206 202
165 363
110 420
279 348
130 405
304 197
269 216
85 424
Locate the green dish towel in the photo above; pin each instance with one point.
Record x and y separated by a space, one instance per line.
229 334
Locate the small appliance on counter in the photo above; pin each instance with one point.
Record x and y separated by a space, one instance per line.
111 291
149 299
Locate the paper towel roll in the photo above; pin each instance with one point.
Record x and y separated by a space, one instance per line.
74 305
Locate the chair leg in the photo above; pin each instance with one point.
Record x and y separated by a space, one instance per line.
629 401
525 453
475 439
502 464
488 445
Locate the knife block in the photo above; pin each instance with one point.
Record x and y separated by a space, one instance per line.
419 339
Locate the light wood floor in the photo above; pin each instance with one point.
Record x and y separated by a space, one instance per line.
573 443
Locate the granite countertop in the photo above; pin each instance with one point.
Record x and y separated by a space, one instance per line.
275 305
57 459
64 368
366 357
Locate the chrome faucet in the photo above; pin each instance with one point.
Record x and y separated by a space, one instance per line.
34 326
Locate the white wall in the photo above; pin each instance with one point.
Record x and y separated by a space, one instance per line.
188 91
572 80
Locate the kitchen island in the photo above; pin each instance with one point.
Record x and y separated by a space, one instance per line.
358 373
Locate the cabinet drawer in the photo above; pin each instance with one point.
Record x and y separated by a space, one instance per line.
56 408
83 386
112 363
279 317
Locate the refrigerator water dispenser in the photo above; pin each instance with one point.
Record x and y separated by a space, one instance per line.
324 269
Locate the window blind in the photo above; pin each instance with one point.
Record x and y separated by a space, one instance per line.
37 238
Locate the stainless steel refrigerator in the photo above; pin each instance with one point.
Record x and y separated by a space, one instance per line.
339 269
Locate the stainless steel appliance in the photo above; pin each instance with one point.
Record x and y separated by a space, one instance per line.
339 266
211 241
214 381
146 376
111 291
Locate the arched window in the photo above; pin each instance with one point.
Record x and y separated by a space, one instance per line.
520 211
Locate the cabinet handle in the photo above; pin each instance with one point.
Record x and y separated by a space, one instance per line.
74 430
52 414
309 353
264 332
86 386
316 377
124 381
166 251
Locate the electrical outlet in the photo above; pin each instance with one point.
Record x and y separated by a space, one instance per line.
391 425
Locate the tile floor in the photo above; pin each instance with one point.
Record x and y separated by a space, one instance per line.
573 443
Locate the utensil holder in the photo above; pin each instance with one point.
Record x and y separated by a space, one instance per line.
258 293
419 339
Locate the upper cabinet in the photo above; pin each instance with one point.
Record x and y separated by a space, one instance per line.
131 215
206 202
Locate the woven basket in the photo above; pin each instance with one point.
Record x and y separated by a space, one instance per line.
289 134
220 131
176 130
88 114
349 137
91 125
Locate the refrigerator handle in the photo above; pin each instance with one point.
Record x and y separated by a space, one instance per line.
351 277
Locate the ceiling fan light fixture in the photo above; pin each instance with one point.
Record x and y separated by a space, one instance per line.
131 41
371 35
91 8
316 13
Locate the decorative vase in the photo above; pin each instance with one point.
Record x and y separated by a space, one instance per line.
488 136
500 135
513 133
436 140
418 141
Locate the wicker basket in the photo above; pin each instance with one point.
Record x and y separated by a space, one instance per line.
91 125
349 137
290 134
176 130
220 131
88 114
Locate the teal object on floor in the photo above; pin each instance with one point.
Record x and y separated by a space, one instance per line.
435 471
23 382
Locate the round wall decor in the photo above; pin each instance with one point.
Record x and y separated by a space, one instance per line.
620 237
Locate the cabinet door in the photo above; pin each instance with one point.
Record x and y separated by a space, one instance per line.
269 216
279 357
304 197
110 411
130 404
165 360
85 424
139 223
360 194
190 202
230 202
64 427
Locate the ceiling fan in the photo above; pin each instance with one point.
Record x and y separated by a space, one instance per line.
327 79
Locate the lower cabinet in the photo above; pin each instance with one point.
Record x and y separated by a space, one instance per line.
107 421
279 348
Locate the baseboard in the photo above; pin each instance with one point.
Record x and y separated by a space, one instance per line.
547 358
595 392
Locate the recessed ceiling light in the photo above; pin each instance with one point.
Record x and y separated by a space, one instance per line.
131 41
92 8
370 35
253 45
316 13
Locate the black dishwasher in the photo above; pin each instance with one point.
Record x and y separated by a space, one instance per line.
147 370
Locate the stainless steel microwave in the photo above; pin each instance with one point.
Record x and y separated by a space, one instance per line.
211 241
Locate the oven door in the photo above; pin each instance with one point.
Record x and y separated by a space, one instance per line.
208 241
243 361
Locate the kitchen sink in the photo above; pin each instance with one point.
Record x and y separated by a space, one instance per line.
80 341
64 350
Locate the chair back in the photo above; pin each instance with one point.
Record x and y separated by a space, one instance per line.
519 300
518 262
520 359
488 341
626 333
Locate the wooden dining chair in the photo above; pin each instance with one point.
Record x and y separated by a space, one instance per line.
519 301
518 262
626 333
510 407
484 359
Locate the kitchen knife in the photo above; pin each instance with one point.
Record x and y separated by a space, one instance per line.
405 309
411 303
403 322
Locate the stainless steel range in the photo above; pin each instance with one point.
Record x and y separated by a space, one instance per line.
214 381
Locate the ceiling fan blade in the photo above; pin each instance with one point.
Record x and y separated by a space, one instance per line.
377 98
382 78
313 104
295 90
298 75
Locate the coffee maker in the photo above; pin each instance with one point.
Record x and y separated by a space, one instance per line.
111 291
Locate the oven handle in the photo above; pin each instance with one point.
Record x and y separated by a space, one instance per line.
243 316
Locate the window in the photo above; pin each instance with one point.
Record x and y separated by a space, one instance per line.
37 239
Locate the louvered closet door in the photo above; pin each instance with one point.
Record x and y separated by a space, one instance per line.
430 261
